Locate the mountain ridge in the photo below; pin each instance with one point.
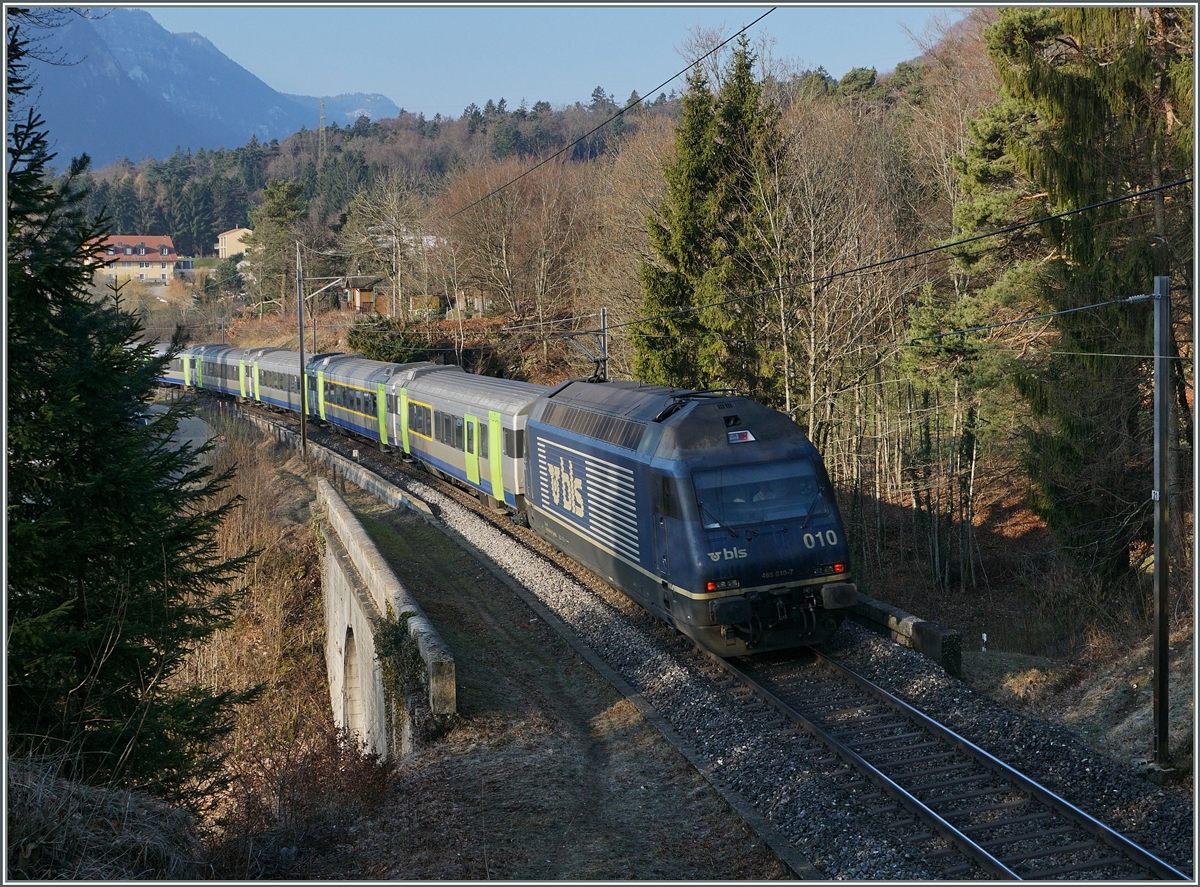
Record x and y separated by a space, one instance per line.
134 90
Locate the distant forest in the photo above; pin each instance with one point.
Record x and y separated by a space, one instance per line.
194 197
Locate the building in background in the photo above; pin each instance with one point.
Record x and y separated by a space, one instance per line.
151 258
229 243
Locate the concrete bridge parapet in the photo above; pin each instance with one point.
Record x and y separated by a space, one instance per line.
360 591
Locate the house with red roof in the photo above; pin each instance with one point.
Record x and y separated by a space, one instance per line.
146 257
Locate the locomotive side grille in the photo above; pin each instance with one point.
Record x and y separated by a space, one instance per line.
610 429
605 511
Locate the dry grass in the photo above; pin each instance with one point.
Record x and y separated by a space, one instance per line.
294 783
1105 694
64 830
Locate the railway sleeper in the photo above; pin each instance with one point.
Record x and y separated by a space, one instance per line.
1004 805
1003 823
1000 842
813 703
1049 851
857 709
1078 867
934 771
923 759
918 746
1028 836
978 793
863 743
962 780
893 725
865 719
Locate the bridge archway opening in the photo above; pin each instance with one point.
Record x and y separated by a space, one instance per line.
352 691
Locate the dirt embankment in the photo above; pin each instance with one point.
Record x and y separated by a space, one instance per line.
1106 695
548 773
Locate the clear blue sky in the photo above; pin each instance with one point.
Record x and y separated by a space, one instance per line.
440 59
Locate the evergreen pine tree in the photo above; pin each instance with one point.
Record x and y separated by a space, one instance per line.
113 572
1094 107
270 247
666 347
705 237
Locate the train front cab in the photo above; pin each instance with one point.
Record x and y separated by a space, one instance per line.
671 517
756 554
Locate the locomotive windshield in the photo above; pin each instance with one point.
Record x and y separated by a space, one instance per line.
739 495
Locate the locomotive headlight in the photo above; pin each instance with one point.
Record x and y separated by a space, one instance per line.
722 584
828 569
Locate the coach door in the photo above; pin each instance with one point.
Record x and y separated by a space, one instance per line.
310 396
664 506
496 455
471 448
404 420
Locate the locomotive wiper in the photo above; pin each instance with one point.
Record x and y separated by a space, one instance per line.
729 529
808 514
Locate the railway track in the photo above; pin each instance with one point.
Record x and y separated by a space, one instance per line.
986 813
966 813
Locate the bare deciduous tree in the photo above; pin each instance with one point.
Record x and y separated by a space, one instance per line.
384 232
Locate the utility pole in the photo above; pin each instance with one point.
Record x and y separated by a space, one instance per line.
321 138
1162 430
603 344
315 309
303 380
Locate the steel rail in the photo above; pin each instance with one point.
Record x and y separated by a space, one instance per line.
1114 839
964 844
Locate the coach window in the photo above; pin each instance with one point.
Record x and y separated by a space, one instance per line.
458 432
483 443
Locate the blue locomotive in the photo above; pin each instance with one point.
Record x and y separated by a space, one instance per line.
713 512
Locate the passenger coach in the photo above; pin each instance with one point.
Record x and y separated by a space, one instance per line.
468 427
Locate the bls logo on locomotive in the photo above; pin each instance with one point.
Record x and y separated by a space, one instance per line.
728 554
565 487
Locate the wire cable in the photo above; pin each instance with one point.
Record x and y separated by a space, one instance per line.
895 259
613 117
993 326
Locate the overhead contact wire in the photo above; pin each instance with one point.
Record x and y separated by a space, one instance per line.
895 259
599 127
